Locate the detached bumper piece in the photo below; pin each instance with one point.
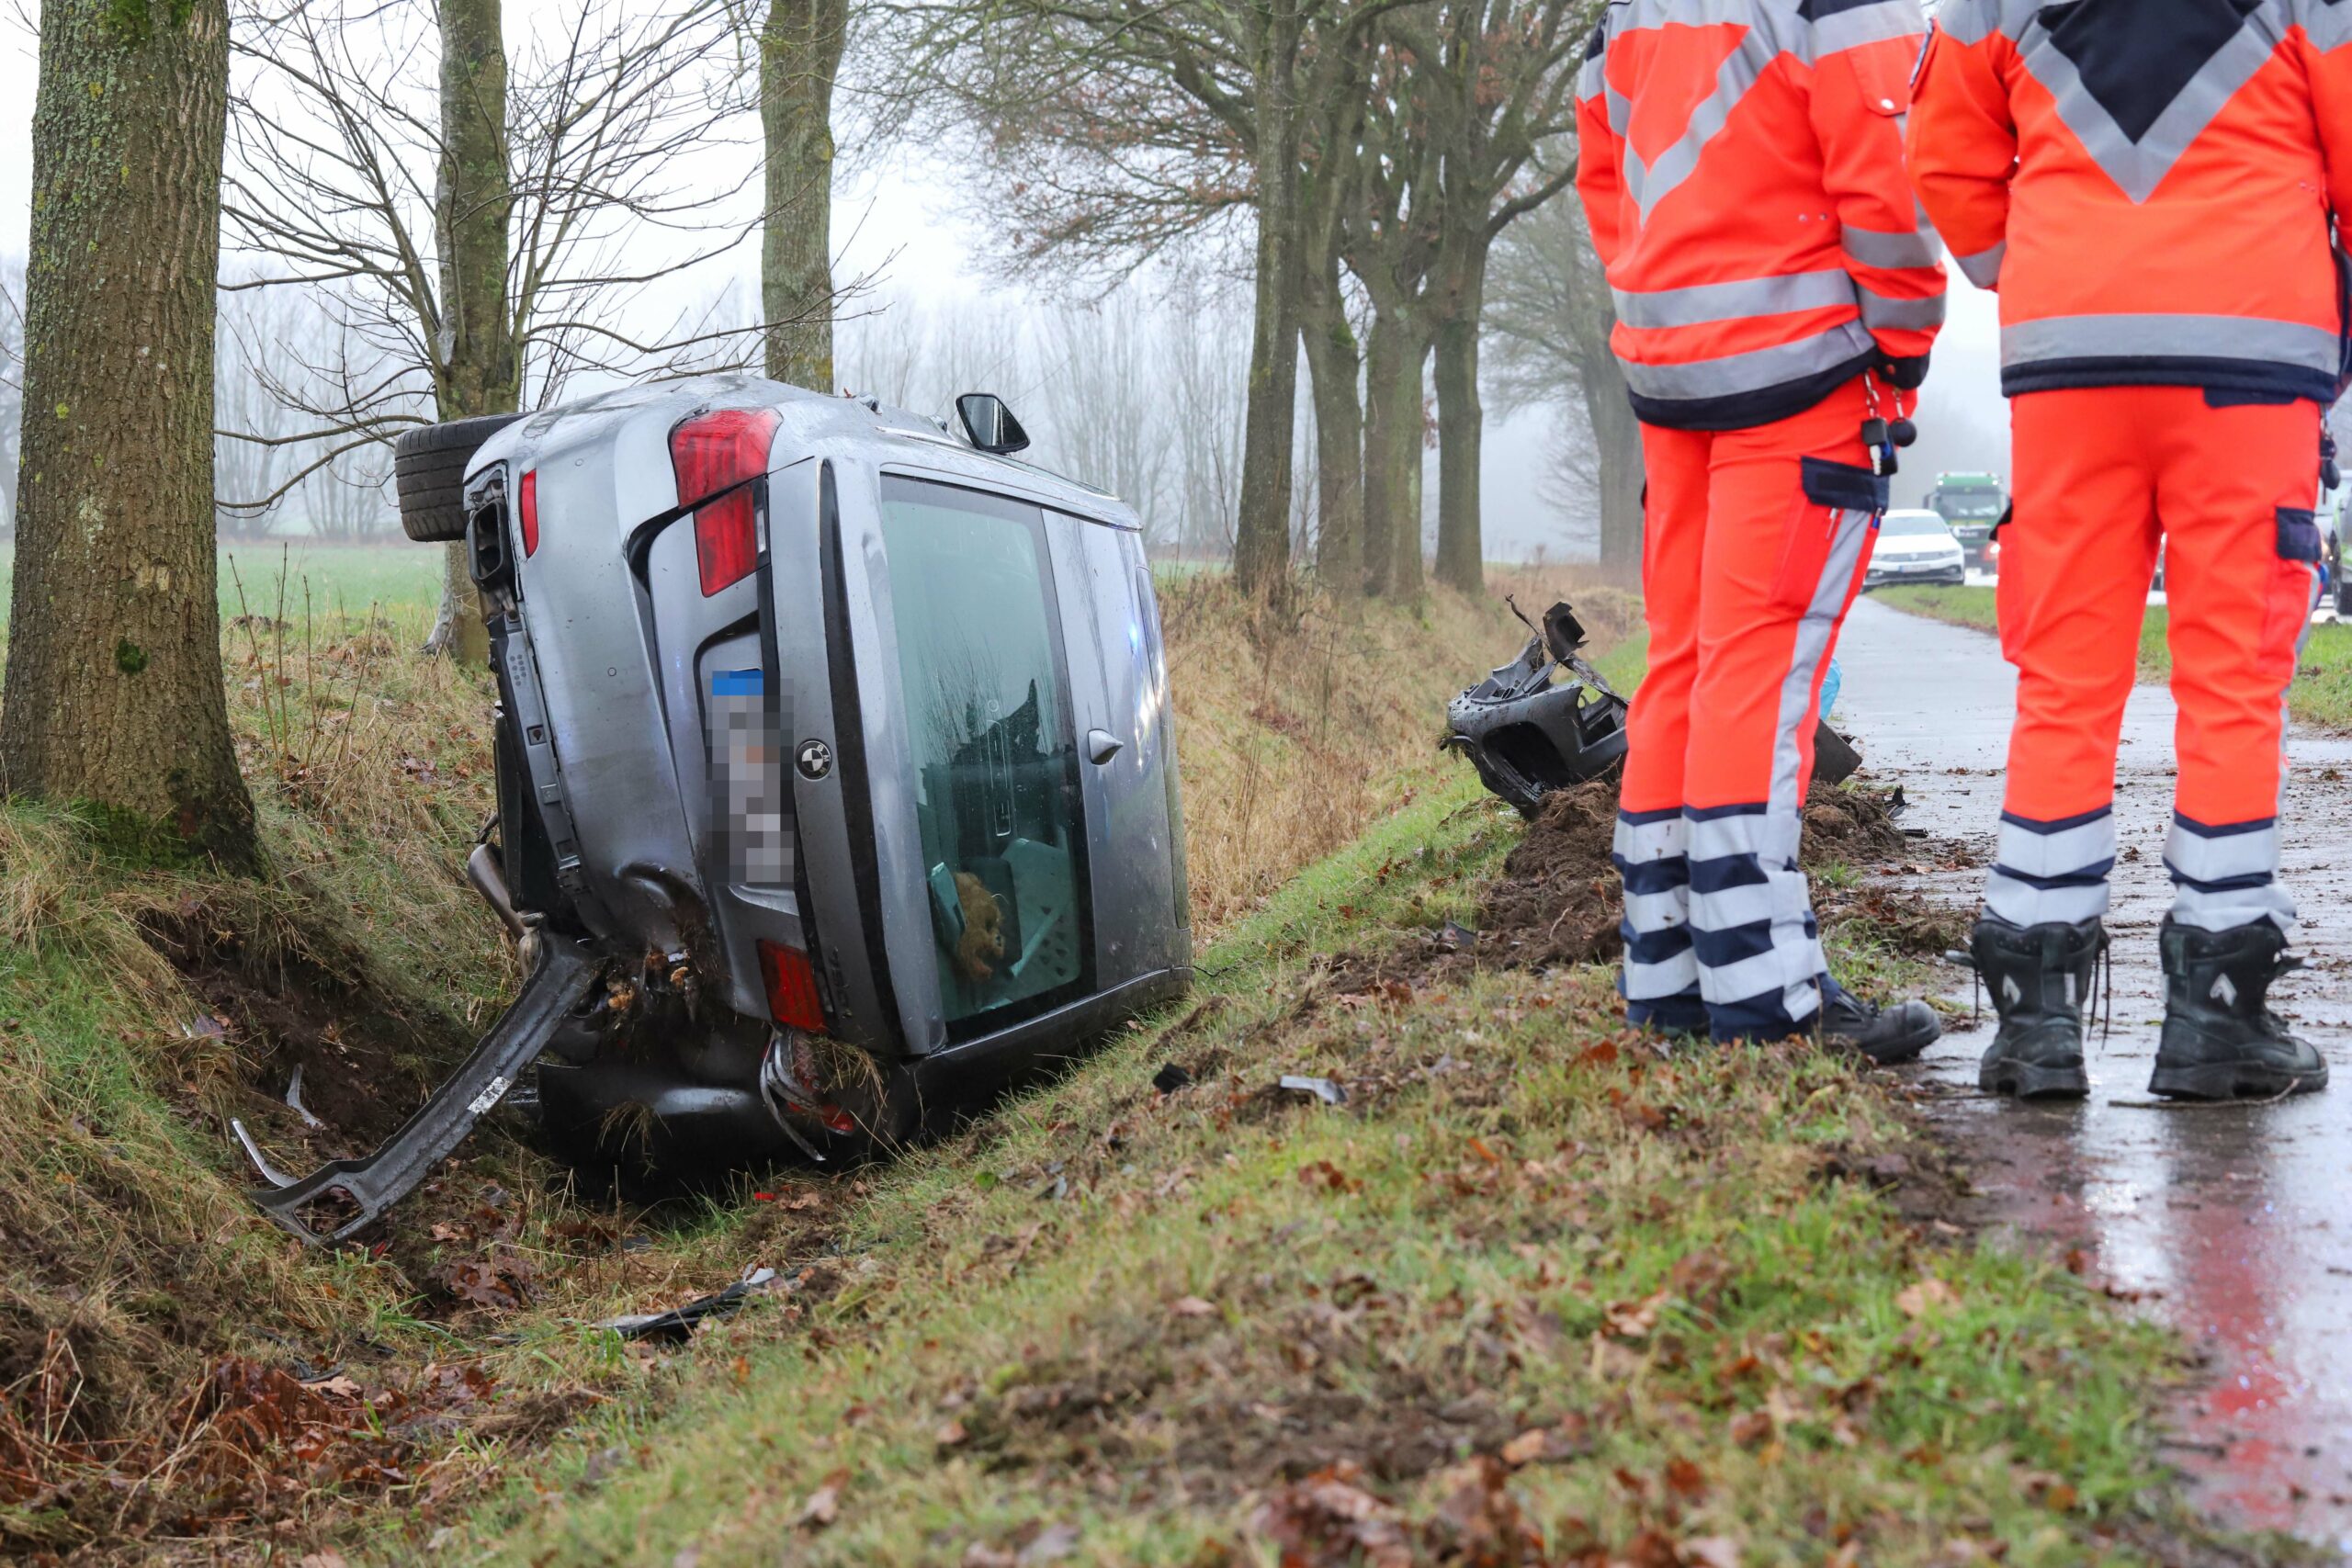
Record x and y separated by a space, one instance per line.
1530 733
559 981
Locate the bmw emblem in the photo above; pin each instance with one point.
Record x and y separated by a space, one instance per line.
815 759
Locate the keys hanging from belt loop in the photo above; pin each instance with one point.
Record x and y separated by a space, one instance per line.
1879 436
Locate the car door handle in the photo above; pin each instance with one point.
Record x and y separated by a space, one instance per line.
1101 745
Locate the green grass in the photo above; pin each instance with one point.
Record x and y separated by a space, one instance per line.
405 579
1133 1320
2322 692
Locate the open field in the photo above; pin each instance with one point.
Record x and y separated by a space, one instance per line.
1537 1275
2322 692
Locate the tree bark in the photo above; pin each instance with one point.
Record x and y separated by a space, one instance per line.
1334 363
114 691
1261 539
1617 437
1392 452
1461 432
800 53
481 370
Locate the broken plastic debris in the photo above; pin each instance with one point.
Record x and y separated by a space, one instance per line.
269 1172
678 1322
1172 1077
294 1101
1324 1090
1455 937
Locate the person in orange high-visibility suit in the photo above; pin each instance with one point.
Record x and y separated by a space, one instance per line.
1742 170
2152 190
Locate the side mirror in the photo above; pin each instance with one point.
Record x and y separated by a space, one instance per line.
990 425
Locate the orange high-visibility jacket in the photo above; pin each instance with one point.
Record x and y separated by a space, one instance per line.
2148 185
1741 165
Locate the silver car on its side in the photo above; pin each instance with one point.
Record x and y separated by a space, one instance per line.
836 771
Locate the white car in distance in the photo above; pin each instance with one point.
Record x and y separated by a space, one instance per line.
1915 547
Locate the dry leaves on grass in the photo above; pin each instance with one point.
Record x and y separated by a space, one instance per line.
1927 1296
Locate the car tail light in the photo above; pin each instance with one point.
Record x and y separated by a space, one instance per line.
716 451
529 504
792 987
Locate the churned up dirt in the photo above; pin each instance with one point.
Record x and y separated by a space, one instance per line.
1558 900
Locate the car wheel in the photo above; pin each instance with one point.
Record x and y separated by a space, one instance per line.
429 466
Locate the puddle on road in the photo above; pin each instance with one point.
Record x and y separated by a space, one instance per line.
2231 1224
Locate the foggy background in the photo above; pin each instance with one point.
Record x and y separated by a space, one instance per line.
1138 387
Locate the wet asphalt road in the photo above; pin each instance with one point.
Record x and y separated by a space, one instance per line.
2232 1224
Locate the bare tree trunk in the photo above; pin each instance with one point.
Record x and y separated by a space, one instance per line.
1333 364
1262 541
800 52
1461 431
1392 451
483 370
1589 321
1617 437
114 689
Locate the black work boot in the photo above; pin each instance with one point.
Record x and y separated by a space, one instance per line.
1886 1035
2041 980
2221 1041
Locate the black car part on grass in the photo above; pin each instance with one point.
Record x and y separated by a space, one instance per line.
562 972
1530 733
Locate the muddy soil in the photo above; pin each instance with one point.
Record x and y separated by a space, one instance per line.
2227 1222
1558 901
367 1057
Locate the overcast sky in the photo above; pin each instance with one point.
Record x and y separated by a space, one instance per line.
902 221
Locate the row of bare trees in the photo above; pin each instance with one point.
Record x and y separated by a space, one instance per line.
472 227
1374 152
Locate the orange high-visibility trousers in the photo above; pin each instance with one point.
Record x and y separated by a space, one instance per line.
1754 544
2103 474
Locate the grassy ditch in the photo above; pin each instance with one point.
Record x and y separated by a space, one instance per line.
1541 1291
172 1369
2322 692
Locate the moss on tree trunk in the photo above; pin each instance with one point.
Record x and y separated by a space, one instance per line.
800 52
114 694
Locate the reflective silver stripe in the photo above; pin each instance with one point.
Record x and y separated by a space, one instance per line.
2023 903
1649 183
2194 855
1871 247
2328 26
1705 302
2139 166
2181 337
1753 371
1655 982
2067 851
1662 840
1883 314
1973 21
1866 24
1594 77
1984 268
2219 856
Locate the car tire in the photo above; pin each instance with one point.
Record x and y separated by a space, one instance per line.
429 467
2344 600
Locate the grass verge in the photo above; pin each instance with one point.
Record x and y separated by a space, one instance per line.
2322 692
1542 1291
172 1369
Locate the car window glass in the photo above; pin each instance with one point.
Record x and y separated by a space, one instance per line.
984 701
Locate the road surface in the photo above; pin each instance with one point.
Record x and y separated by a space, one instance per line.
2233 1223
